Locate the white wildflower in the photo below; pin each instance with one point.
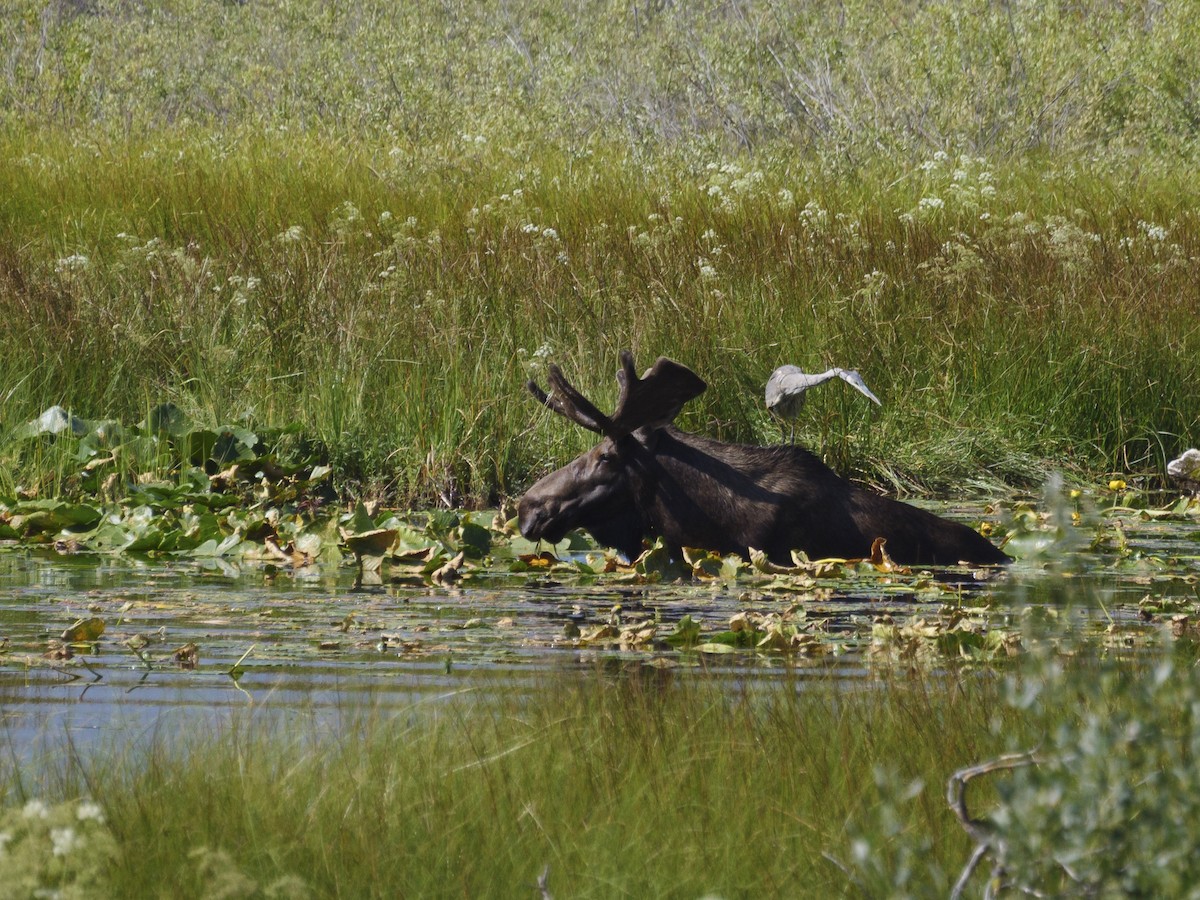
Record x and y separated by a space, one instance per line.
90 811
931 203
292 235
530 228
73 263
550 234
35 809
64 840
1154 232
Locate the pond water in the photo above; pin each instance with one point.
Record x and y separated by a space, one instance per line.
185 643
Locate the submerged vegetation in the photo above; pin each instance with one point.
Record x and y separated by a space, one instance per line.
375 223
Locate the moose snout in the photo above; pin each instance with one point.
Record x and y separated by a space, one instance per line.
532 517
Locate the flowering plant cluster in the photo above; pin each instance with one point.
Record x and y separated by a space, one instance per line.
62 850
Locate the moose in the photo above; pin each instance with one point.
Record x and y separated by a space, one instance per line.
647 478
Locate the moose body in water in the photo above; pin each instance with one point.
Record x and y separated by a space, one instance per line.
648 479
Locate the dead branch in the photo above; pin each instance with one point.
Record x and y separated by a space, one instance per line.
986 841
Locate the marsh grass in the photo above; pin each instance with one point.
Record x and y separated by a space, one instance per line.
643 782
636 783
378 223
398 327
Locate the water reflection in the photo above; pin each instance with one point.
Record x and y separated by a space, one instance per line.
313 643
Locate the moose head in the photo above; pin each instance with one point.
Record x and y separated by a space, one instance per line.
596 491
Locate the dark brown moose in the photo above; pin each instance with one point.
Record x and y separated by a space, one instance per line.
647 479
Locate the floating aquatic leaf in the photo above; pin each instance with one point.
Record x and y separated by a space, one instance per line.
527 561
686 633
166 417
711 647
85 631
475 538
371 543
655 564
449 573
880 559
707 564
599 634
187 656
53 421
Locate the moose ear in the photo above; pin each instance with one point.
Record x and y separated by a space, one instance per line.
655 399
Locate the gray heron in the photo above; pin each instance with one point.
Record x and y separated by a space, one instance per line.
787 386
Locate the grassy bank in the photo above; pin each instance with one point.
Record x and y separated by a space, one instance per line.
637 783
376 224
1010 323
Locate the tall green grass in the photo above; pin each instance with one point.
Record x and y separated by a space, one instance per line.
637 784
377 223
640 782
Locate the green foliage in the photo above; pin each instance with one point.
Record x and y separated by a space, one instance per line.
851 79
61 850
1111 806
628 780
377 222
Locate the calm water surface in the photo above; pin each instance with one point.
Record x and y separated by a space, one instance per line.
312 644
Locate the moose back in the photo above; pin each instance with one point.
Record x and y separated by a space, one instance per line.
646 478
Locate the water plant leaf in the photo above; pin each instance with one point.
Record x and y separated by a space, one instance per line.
54 421
686 633
714 647
475 538
376 542
655 564
84 631
360 521
527 561
448 573
880 559
168 418
188 656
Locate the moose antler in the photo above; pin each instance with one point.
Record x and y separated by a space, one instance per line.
655 399
569 403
